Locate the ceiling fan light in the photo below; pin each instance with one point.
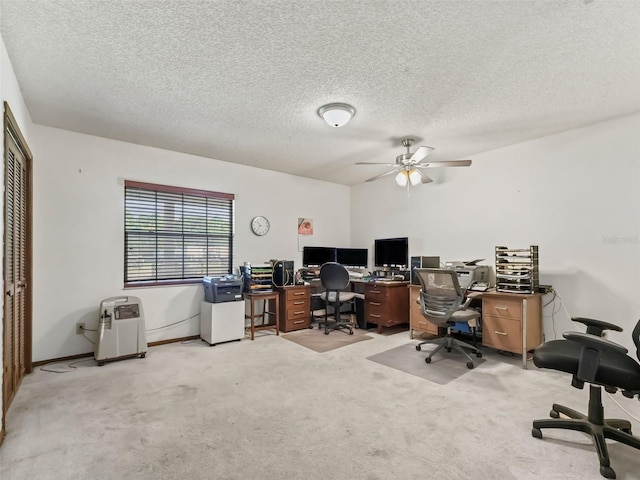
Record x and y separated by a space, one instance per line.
402 178
337 114
415 177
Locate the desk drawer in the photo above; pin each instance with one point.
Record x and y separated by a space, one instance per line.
424 326
380 314
296 324
375 292
377 309
502 333
297 293
502 307
297 309
375 317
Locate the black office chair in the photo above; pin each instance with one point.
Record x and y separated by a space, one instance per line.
601 363
318 311
335 278
443 303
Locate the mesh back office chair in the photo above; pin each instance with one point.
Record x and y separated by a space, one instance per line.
601 363
444 304
335 278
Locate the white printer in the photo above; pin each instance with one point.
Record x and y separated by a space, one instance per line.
470 275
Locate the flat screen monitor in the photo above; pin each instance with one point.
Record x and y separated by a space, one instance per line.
317 256
391 252
353 257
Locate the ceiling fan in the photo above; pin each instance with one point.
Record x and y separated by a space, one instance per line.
408 166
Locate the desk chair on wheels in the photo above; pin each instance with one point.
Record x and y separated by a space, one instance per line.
444 304
335 279
601 363
318 311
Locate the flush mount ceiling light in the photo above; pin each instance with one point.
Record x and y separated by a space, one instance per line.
337 114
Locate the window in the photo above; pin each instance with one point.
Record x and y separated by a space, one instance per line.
175 235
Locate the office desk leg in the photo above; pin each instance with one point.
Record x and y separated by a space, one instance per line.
524 334
253 319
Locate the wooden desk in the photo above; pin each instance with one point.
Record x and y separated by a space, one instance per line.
417 322
386 303
266 299
512 322
295 307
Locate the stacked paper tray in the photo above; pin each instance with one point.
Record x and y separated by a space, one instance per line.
517 269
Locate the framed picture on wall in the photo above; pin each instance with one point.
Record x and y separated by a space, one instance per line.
305 232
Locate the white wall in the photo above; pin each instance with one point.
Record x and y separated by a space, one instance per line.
576 195
10 93
79 232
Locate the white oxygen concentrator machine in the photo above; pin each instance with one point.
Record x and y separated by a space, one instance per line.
121 330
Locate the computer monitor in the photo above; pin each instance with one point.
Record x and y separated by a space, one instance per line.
353 257
317 256
391 252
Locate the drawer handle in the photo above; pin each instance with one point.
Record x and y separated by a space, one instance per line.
501 308
500 333
299 321
375 316
299 312
375 303
374 291
298 293
298 303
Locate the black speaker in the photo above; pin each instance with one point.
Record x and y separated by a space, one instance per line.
283 274
423 262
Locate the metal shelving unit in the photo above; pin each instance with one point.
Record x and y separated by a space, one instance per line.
517 269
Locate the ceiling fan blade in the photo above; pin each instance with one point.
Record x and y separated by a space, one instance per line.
445 163
420 153
426 179
381 175
376 163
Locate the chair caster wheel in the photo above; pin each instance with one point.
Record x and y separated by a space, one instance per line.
418 347
554 414
607 472
142 355
448 350
479 354
350 332
470 365
427 360
326 332
536 432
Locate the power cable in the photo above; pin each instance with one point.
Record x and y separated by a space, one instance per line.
622 408
174 323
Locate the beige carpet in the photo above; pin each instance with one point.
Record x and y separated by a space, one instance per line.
271 409
317 341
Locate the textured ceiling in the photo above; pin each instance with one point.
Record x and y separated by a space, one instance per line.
241 81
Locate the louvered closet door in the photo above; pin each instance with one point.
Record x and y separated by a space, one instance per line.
14 269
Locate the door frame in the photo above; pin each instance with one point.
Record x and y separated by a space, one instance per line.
11 125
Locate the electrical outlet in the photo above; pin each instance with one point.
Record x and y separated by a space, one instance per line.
79 328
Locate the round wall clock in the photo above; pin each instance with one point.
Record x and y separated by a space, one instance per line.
260 225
